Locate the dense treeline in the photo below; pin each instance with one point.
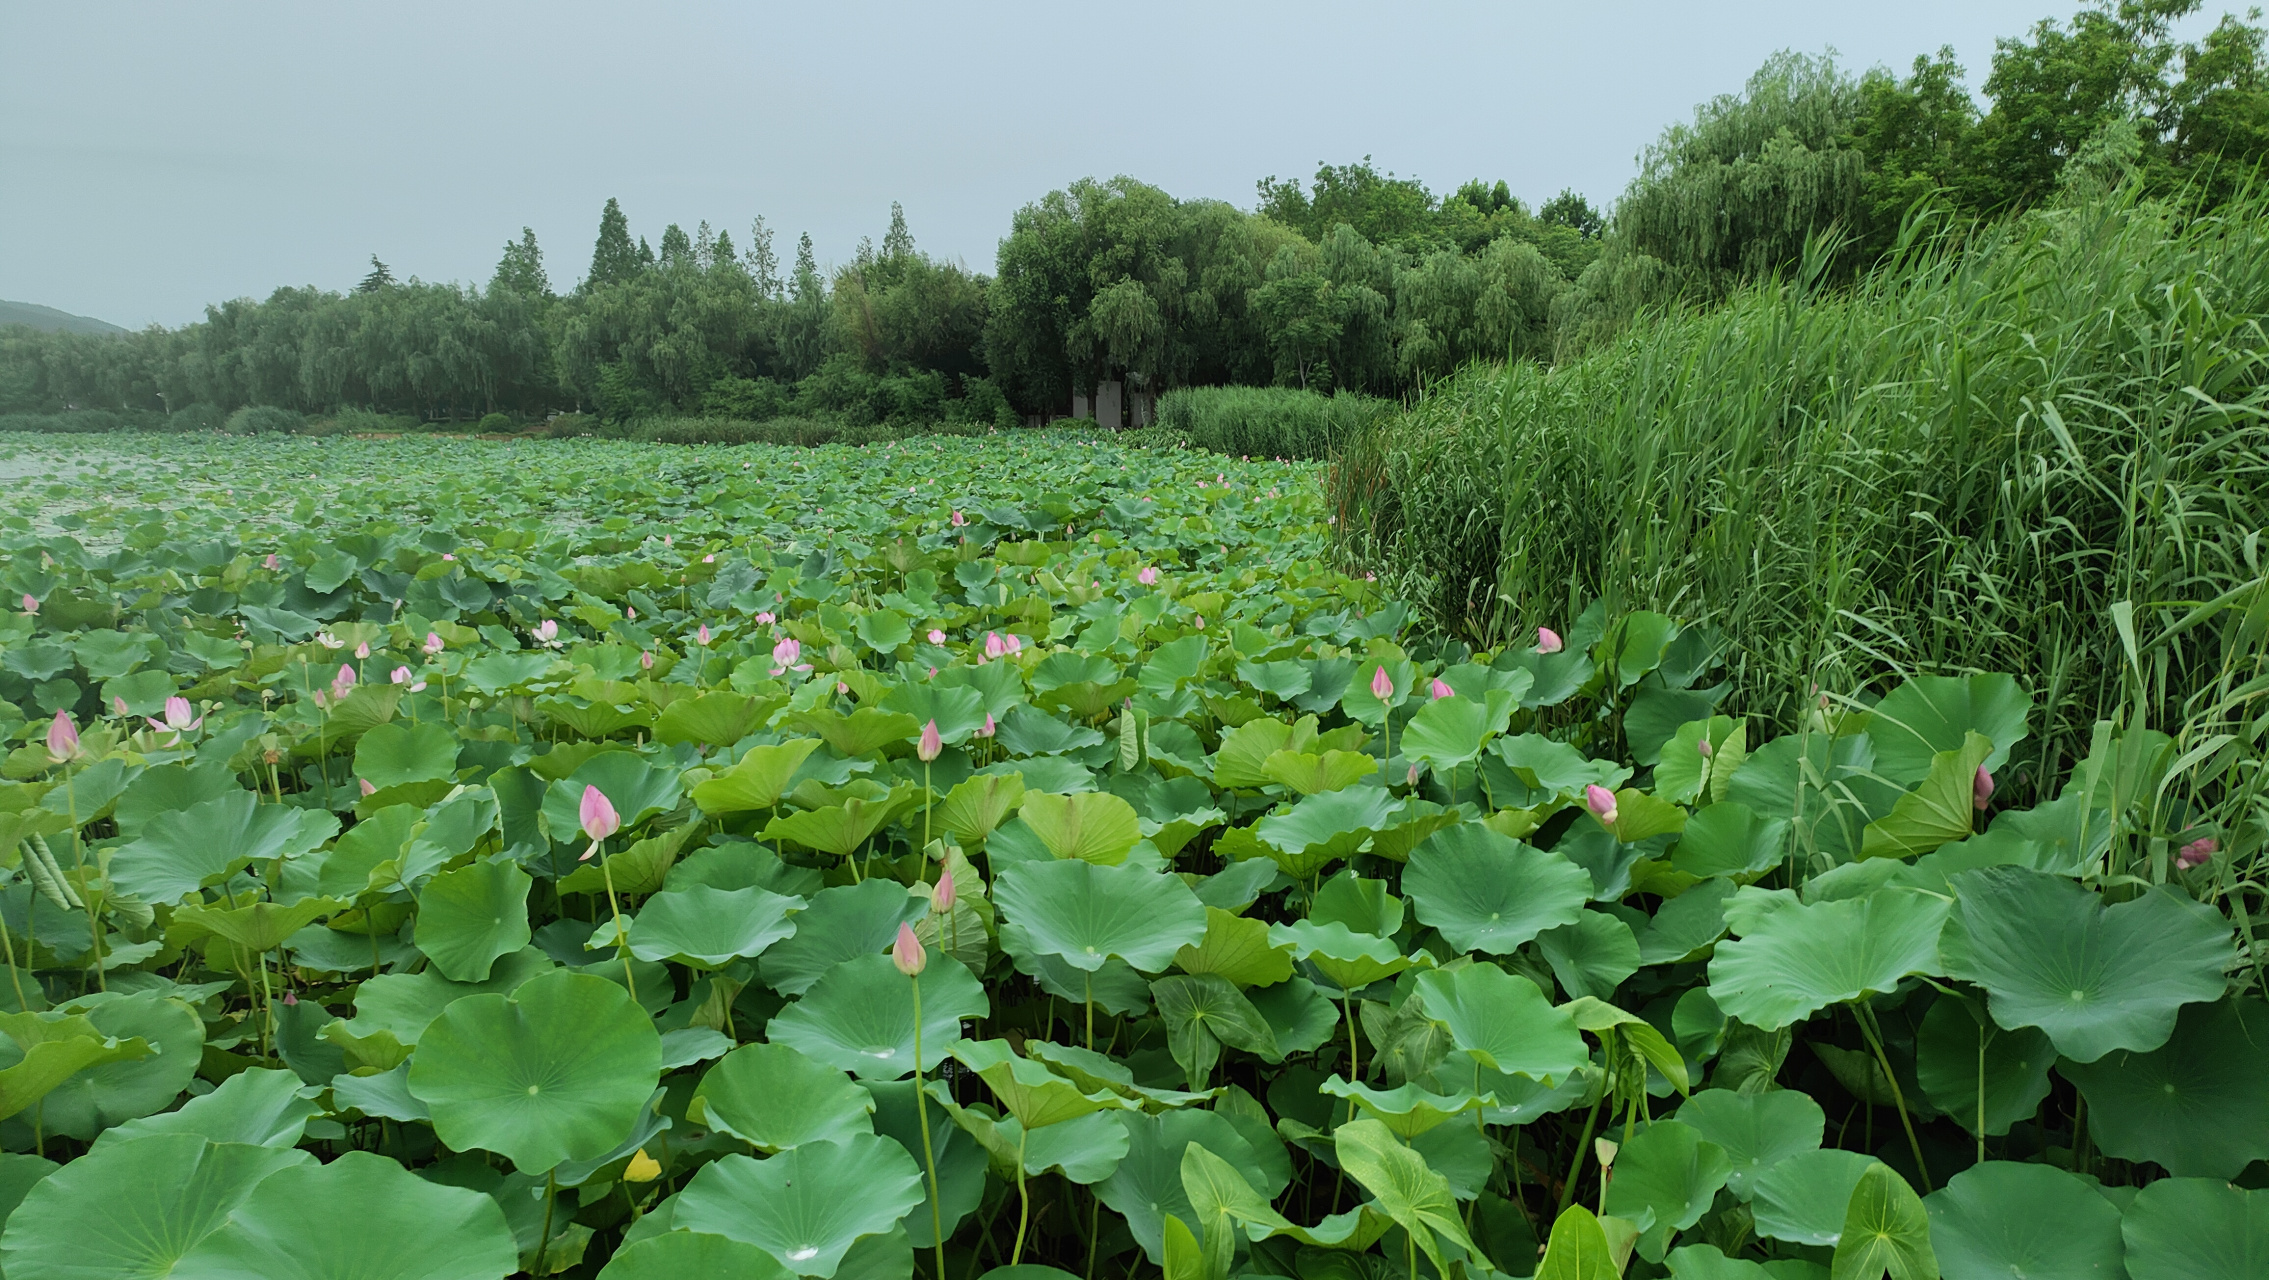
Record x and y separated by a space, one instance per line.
1355 280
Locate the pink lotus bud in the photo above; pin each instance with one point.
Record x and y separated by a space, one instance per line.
2197 853
434 643
1014 642
1382 684
1704 749
907 953
941 897
1601 802
291 998
1149 575
646 660
936 636
630 612
669 540
994 648
30 605
367 789
401 675
709 559
1440 688
1548 640
598 814
270 562
842 688
62 738
931 744
987 731
958 521
345 679
701 635
547 631
1981 788
320 699
1412 780
118 706
1201 622
362 650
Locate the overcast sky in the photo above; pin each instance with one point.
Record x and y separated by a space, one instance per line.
158 156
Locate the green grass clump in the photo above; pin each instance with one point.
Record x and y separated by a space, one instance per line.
1268 422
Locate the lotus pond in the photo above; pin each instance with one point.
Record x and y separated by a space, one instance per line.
441 859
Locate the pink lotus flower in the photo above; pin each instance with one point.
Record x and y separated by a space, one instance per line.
1548 640
448 557
400 675
2195 854
709 559
270 562
1014 642
907 953
30 605
842 688
547 631
434 643
62 738
320 699
1412 779
180 717
765 619
993 646
936 636
1149 575
701 635
329 641
931 744
987 731
1704 749
362 651
785 653
598 814
1601 802
367 789
630 612
118 707
1981 789
1201 622
1382 684
345 679
941 896
1440 688
646 660
958 521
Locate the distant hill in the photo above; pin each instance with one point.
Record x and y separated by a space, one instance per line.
39 317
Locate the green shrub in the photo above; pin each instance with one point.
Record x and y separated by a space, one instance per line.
264 419
793 431
1268 422
494 424
568 426
202 415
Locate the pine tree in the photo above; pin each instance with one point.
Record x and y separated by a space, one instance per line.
612 259
677 247
762 263
899 242
704 246
521 270
379 278
645 254
807 283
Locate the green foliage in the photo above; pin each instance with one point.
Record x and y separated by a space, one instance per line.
1268 422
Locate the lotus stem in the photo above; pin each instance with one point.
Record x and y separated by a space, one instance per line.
1023 1198
1875 1041
622 940
543 1241
922 1117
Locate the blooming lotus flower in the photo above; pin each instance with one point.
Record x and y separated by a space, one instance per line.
448 557
1382 684
958 521
931 744
701 635
709 559
434 643
30 605
270 562
994 648
598 814
62 738
987 731
941 897
1981 788
1149 575
547 631
936 636
329 641
906 953
180 717
2197 853
1440 688
1548 640
1601 802
765 619
785 653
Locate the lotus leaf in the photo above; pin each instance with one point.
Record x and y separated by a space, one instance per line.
774 1098
859 1017
807 1206
1486 892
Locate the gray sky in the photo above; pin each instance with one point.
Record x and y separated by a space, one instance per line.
158 156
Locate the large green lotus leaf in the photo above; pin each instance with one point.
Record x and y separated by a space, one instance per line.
1360 903
1578 1249
1085 1149
841 829
1755 1130
1803 1198
109 1093
2095 978
774 1098
1241 763
719 718
256 1106
1030 1090
1939 809
1794 959
978 805
493 673
345 869
961 1163
1886 1230
1323 828
1687 923
1825 785
958 711
640 869
2196 1229
2198 1104
2006 1219
1202 1012
637 787
1932 714
400 1227
254 927
1408 1109
169 787
1964 1062
708 928
1147 1185
402 1005
1311 774
1403 1187
1684 771
806 1206
1216 1188
683 1255
184 851
860 1017
1349 960
1091 826
1591 957
1299 1014
863 731
1729 839
1669 1173
469 917
1083 914
841 922
394 754
559 1070
1504 1021
1449 732
1237 949
757 781
884 630
133 1209
49 1049
1487 892
1556 768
